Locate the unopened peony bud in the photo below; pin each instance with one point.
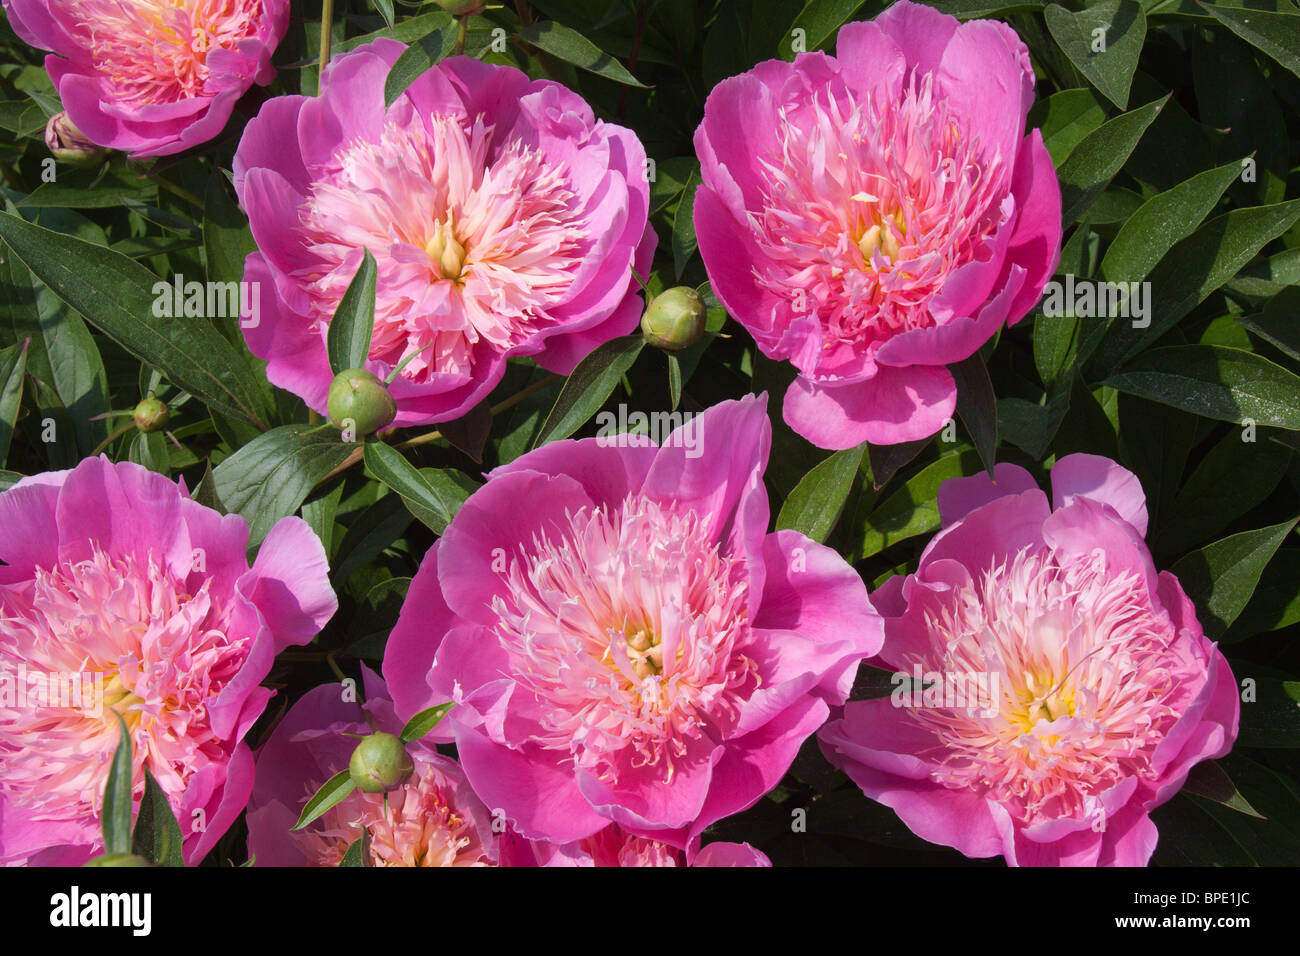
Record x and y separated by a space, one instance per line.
151 415
69 144
674 319
360 397
380 763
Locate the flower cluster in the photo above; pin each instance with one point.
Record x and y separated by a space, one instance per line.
627 653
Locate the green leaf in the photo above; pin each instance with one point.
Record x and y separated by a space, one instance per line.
116 294
1056 341
271 476
64 354
358 853
1230 385
1162 221
8 479
385 8
684 242
1272 719
1277 324
157 835
1201 509
1221 577
1099 156
886 461
421 496
572 47
977 407
13 365
1277 34
348 337
819 19
416 60
1065 118
674 381
818 500
149 449
1191 270
1211 781
371 533
1276 601
1111 69
405 31
205 492
86 189
423 722
116 820
590 383
331 793
227 239
913 509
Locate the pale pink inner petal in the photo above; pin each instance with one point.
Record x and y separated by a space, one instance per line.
872 202
1088 675
630 633
156 650
156 51
473 239
419 825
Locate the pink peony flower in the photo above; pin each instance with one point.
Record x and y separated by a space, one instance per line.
434 820
503 217
614 846
1096 690
114 582
152 77
624 639
879 215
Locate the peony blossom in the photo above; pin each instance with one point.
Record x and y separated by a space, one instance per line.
120 594
1096 690
433 820
503 217
624 640
614 846
152 77
878 215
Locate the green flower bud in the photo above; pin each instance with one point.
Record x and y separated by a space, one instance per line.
359 397
118 859
151 415
675 319
380 763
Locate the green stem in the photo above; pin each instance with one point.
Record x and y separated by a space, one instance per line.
326 27
462 27
112 438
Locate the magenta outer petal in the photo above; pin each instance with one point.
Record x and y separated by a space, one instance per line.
496 520
223 810
873 744
608 471
539 797
897 405
994 532
738 438
1036 244
289 582
958 497
755 763
1085 526
414 642
819 623
1098 478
